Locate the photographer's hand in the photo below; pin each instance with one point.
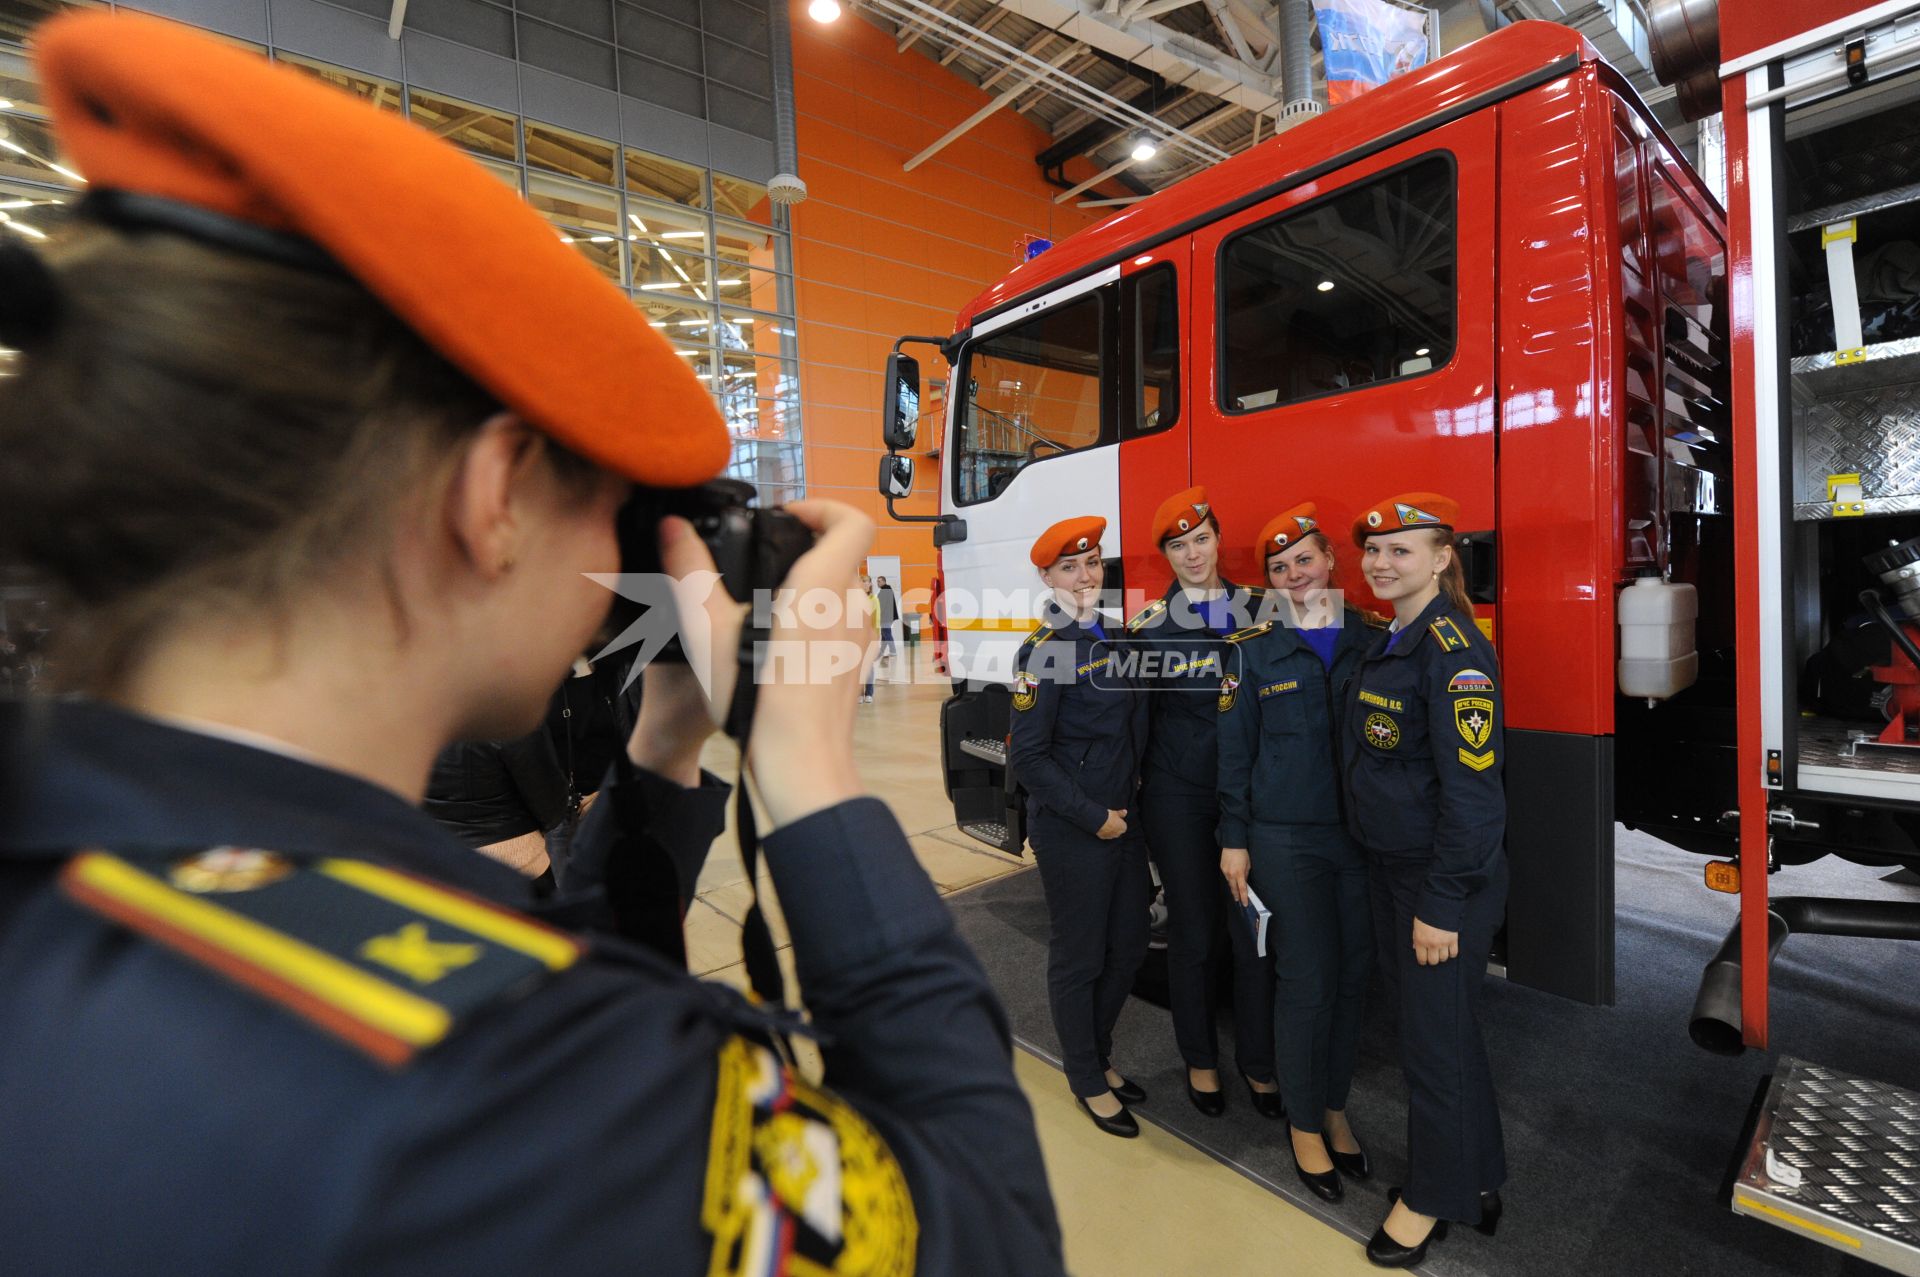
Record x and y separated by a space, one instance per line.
802 748
677 701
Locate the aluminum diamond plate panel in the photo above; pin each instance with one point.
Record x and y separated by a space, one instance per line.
1836 1158
1849 420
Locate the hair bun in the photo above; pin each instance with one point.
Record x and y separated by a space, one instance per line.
29 296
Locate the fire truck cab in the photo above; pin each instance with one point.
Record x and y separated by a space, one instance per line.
1494 277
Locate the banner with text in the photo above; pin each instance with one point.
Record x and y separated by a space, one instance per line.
1365 43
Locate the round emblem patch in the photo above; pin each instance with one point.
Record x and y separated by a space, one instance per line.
1382 732
229 869
1280 538
1373 519
1185 525
1083 543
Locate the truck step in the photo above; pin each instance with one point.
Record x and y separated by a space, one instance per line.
994 751
1836 1158
993 833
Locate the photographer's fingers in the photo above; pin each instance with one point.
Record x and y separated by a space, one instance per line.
709 619
802 749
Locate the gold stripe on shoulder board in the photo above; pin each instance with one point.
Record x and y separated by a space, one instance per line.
1448 635
1147 613
1252 631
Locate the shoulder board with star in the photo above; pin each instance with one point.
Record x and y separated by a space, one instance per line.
1252 631
1146 614
1449 636
389 963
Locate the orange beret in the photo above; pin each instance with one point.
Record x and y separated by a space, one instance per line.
1287 529
1069 536
1404 512
149 108
1180 514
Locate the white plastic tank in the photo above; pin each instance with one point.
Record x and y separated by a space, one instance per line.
1657 655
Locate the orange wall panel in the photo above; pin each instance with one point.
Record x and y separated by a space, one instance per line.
879 251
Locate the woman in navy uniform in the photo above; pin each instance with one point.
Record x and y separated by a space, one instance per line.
316 432
1185 632
1283 826
1079 727
1422 740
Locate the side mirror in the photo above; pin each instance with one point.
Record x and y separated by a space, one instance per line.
900 409
896 476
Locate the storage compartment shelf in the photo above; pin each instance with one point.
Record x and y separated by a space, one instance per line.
1879 200
1814 511
1887 361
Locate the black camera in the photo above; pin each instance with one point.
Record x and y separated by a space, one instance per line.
753 548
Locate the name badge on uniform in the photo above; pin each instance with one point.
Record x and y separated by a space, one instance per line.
1280 689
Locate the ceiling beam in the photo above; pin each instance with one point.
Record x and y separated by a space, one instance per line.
957 131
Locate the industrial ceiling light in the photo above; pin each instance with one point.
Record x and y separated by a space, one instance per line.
1144 149
1325 285
824 10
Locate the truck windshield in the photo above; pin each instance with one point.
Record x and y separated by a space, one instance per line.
1033 390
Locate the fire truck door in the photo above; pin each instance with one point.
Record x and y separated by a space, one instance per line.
1348 325
1047 398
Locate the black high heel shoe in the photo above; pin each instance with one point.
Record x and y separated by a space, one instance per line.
1267 1104
1324 1185
1121 1124
1210 1103
1352 1165
1491 1208
1384 1252
1130 1091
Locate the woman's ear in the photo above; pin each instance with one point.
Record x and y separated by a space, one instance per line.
483 497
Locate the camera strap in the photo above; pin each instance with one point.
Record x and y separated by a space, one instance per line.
756 937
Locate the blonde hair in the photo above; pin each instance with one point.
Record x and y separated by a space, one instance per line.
1453 577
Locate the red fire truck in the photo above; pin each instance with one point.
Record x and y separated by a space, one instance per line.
1496 276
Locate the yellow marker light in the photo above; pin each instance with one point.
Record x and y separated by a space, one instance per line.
1723 875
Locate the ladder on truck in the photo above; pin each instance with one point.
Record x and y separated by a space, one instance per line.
1836 1158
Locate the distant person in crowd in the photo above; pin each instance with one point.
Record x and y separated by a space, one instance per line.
1422 745
319 436
889 616
501 797
589 720
1186 630
872 622
1283 820
1079 728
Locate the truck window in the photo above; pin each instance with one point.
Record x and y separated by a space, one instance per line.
1151 305
1348 291
1032 391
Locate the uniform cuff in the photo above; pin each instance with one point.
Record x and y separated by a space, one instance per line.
1232 833
1440 912
850 887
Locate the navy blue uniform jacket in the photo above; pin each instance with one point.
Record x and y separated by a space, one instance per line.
1423 741
1180 661
159 1116
1279 747
1078 726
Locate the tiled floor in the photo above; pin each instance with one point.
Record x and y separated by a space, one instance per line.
1151 1207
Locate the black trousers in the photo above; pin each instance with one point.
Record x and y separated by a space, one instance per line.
1180 832
1320 942
1455 1150
1098 893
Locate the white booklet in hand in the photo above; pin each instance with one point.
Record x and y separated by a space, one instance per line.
1258 916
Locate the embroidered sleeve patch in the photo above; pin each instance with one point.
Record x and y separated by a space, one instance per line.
797 1182
1473 719
385 961
1448 635
1025 688
1229 687
1479 762
1470 681
1280 688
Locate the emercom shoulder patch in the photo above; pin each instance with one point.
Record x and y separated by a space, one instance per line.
387 962
1470 681
797 1181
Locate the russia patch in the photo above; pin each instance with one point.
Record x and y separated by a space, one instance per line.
1470 681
